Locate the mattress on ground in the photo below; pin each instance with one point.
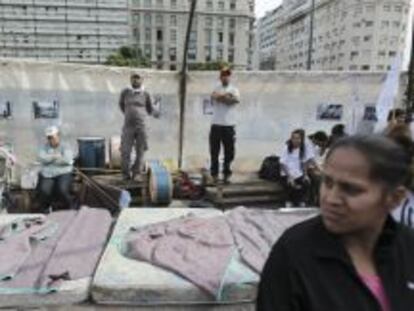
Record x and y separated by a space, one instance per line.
119 280
70 292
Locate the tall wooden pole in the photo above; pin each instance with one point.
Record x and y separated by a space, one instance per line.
183 85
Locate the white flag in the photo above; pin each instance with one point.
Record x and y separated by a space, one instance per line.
389 91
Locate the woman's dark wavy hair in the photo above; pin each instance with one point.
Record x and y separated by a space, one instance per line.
289 143
389 162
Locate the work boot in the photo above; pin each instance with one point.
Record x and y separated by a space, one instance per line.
226 179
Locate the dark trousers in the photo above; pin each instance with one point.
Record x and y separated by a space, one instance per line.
297 193
219 135
55 189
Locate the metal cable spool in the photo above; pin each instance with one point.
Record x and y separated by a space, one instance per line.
160 183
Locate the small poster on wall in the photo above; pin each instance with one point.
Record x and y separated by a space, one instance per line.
328 111
5 110
207 106
370 113
46 110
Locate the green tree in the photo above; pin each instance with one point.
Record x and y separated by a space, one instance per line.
128 56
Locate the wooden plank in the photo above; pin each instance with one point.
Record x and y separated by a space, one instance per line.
245 190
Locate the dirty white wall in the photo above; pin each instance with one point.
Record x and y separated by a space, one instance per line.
273 104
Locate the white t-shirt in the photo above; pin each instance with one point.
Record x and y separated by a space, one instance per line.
224 114
293 163
405 212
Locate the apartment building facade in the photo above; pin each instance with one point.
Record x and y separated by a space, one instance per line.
222 31
266 36
84 31
350 35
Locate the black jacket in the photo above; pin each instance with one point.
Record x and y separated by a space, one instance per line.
309 269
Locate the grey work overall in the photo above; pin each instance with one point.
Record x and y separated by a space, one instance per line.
135 104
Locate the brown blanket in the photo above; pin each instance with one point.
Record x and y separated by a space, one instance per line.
198 249
66 246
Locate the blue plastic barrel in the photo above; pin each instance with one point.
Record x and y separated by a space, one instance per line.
91 152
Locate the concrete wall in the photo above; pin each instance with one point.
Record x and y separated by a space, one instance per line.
273 104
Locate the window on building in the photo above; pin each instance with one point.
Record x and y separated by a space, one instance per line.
159 35
220 37
147 3
380 67
209 37
356 25
173 67
385 24
396 24
353 67
370 8
221 5
398 8
392 53
387 8
208 54
148 34
367 38
159 19
369 23
231 39
173 20
192 54
232 23
173 35
365 67
232 4
209 21
358 10
220 22
173 54
381 53
354 54
148 51
219 54
173 3
160 3
209 4
135 33
147 19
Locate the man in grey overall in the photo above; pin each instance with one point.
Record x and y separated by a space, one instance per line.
135 103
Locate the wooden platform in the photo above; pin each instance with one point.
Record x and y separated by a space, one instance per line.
247 192
137 188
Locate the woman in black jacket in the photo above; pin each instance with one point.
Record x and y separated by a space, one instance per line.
353 257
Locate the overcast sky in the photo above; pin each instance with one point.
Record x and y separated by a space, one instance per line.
266 5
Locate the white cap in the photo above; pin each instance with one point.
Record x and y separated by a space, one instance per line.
51 131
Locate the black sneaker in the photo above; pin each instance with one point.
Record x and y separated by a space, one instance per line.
226 179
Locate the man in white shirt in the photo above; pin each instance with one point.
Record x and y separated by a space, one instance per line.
224 98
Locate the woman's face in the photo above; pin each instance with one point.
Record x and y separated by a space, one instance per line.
351 202
296 140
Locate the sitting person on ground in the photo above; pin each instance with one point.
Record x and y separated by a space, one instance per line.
295 159
401 134
56 171
319 142
337 132
354 256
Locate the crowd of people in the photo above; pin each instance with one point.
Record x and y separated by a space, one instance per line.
354 255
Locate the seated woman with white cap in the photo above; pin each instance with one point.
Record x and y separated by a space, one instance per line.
56 171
